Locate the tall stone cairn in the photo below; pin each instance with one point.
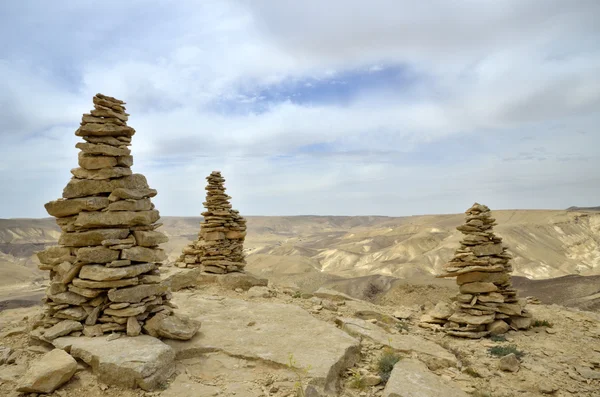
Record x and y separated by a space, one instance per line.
487 302
220 244
104 272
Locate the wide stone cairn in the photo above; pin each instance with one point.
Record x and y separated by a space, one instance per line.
220 244
487 302
104 273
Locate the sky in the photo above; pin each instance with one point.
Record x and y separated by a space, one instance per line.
344 107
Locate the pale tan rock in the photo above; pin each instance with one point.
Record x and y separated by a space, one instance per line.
133 327
102 173
487 277
48 373
126 312
137 293
412 378
105 284
131 194
144 254
477 288
118 218
101 129
509 363
102 149
140 361
149 238
463 318
61 207
91 162
498 327
84 187
103 273
172 327
61 329
97 255
69 298
55 255
91 237
131 205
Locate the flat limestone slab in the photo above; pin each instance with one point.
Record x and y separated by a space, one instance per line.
270 332
142 361
433 354
410 378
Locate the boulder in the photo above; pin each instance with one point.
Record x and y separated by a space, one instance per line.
442 310
509 363
498 327
172 327
410 378
278 331
48 373
259 292
140 361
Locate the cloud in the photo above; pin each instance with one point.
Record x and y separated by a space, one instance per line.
350 108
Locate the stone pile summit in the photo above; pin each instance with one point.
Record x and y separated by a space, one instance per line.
487 302
220 244
104 273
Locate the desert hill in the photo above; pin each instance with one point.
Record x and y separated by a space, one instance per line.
360 255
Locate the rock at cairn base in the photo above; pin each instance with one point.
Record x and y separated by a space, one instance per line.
487 302
104 272
220 244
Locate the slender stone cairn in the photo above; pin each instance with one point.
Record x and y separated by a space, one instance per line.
104 273
487 302
220 244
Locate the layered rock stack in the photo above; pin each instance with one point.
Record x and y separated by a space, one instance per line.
220 244
487 302
104 273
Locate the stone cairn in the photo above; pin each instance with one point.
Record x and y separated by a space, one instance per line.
104 274
220 244
487 303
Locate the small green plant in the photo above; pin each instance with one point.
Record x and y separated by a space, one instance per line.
403 326
498 338
297 295
300 373
386 363
357 381
501 351
543 323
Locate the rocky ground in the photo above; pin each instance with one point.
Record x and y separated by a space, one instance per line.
273 341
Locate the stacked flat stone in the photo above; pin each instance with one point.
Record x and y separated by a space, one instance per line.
104 272
220 244
487 302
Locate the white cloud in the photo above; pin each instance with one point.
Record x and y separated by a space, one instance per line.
491 73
